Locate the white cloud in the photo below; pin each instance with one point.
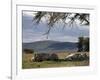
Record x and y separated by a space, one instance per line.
33 32
29 13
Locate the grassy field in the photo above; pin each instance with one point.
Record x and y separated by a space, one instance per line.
28 64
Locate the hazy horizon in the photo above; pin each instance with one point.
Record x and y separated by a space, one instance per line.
48 40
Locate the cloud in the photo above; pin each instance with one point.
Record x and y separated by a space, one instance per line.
32 32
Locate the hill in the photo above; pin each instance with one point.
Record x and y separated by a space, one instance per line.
50 46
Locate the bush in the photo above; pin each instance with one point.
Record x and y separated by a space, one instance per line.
28 51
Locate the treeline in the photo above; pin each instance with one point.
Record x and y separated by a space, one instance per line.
83 44
28 51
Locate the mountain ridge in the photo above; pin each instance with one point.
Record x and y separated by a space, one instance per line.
49 45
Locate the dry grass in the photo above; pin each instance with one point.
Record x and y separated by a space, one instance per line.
27 63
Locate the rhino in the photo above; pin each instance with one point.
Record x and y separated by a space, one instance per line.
44 56
53 57
76 56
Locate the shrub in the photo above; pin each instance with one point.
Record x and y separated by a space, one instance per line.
28 51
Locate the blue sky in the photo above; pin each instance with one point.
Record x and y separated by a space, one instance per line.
33 32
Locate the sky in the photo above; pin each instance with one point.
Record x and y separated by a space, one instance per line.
32 32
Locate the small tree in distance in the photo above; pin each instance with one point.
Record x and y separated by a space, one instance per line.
83 44
86 44
80 44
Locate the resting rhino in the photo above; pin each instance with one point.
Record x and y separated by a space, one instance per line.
44 56
32 59
53 56
41 57
76 56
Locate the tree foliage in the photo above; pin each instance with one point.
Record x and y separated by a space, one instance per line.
86 44
53 18
80 44
83 44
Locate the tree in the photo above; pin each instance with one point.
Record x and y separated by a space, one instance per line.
83 44
80 44
86 44
56 17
